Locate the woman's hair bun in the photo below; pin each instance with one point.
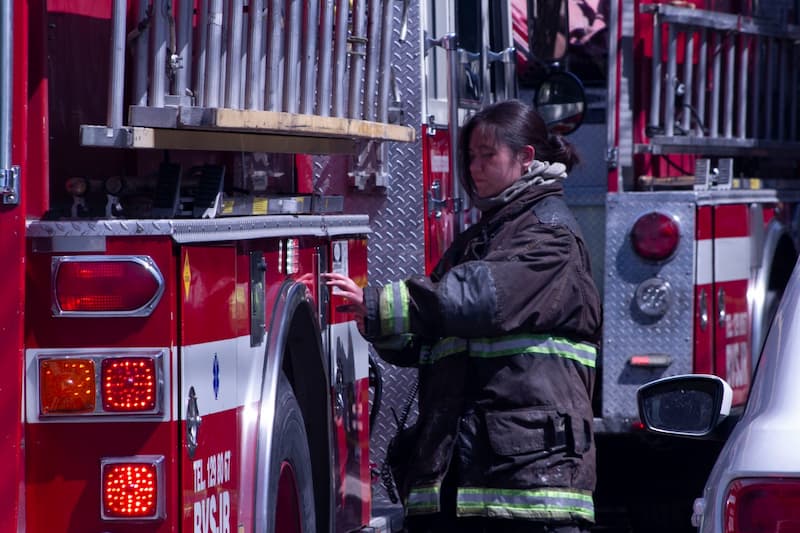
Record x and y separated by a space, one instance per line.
561 150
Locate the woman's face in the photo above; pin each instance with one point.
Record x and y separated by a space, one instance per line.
493 165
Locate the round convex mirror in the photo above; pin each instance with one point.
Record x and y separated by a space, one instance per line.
561 101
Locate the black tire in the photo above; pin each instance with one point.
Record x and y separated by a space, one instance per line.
290 451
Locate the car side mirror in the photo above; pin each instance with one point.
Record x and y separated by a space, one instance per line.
561 101
689 405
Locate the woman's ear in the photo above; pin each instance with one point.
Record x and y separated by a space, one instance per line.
527 155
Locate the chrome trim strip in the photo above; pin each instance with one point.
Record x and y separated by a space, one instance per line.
292 295
208 230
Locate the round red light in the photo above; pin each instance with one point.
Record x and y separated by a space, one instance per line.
655 236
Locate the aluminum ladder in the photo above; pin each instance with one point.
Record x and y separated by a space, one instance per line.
726 85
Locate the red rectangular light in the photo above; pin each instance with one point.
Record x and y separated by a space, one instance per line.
110 285
763 506
66 386
129 384
132 488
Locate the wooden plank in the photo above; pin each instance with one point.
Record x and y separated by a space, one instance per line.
296 124
182 139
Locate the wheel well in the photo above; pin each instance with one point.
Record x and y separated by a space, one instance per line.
303 365
777 273
782 265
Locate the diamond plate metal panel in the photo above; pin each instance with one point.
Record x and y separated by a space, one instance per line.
585 192
397 243
627 331
207 230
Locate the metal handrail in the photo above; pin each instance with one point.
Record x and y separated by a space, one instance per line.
6 78
9 174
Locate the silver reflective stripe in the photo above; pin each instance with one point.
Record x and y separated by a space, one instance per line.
533 504
425 355
395 342
423 500
394 309
443 348
583 353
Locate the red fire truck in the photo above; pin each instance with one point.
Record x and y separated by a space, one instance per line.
176 176
688 198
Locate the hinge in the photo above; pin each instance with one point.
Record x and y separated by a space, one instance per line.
612 157
710 177
9 185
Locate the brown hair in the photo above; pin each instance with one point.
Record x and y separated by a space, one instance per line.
515 125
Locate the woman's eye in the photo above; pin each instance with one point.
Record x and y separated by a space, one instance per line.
482 155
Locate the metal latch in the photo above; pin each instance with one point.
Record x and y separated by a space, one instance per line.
9 185
435 200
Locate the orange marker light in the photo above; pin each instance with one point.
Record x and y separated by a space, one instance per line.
66 386
129 384
130 490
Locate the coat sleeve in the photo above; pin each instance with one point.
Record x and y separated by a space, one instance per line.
539 280
402 349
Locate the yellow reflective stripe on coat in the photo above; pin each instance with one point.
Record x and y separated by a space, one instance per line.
443 348
394 309
581 352
533 504
423 500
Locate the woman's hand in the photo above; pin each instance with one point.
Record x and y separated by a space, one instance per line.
349 290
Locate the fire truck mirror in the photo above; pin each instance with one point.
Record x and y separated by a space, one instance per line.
548 28
561 101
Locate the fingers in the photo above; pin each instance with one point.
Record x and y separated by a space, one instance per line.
346 286
352 308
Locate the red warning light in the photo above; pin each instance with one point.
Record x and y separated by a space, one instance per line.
129 384
130 490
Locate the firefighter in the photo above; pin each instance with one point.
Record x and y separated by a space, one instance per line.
504 335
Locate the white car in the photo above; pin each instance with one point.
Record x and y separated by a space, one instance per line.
754 486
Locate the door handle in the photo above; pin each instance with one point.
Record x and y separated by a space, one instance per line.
435 201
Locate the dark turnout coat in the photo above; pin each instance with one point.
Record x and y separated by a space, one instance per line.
504 335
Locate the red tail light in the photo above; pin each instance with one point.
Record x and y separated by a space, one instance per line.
132 488
125 382
763 506
129 384
655 236
106 285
